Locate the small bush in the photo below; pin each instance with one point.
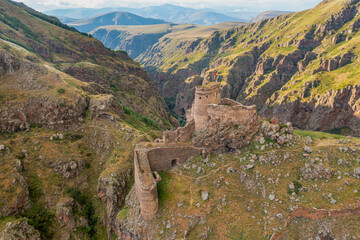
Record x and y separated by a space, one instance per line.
41 219
20 156
35 125
61 90
74 137
296 189
87 209
122 52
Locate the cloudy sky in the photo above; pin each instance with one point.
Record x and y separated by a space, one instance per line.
251 5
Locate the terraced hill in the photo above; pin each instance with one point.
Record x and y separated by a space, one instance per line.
301 67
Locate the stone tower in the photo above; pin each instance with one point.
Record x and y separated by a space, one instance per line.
204 95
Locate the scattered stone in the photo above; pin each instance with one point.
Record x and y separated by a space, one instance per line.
308 149
199 170
73 165
272 197
274 120
179 204
168 225
2 147
262 140
197 205
318 171
249 166
204 195
230 170
308 140
356 173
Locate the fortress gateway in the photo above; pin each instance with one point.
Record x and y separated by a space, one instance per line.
208 111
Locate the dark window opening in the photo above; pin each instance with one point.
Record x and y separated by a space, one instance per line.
199 97
173 163
207 96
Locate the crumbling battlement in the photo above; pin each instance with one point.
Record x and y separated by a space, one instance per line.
150 158
182 134
229 110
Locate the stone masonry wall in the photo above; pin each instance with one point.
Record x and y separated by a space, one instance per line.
234 113
161 159
182 134
151 158
229 127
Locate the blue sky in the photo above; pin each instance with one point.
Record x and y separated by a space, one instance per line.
240 5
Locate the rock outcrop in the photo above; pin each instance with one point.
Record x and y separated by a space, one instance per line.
19 229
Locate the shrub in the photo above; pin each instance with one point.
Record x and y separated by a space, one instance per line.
87 209
296 189
61 90
20 156
41 219
122 52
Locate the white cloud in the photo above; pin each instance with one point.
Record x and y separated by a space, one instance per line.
294 5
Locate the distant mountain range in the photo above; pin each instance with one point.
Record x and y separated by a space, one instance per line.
137 39
267 15
166 12
113 18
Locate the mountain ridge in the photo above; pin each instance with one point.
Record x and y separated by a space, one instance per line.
167 12
113 18
258 63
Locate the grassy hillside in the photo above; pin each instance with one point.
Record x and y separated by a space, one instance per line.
83 58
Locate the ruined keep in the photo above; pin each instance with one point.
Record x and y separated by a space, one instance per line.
204 95
210 117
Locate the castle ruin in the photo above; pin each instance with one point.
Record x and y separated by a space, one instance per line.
209 116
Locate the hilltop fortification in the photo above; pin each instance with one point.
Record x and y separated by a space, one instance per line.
220 125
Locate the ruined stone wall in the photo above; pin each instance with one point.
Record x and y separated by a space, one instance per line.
204 95
152 158
161 159
234 122
232 111
182 134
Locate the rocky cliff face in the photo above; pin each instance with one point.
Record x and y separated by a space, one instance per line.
294 59
135 44
54 109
